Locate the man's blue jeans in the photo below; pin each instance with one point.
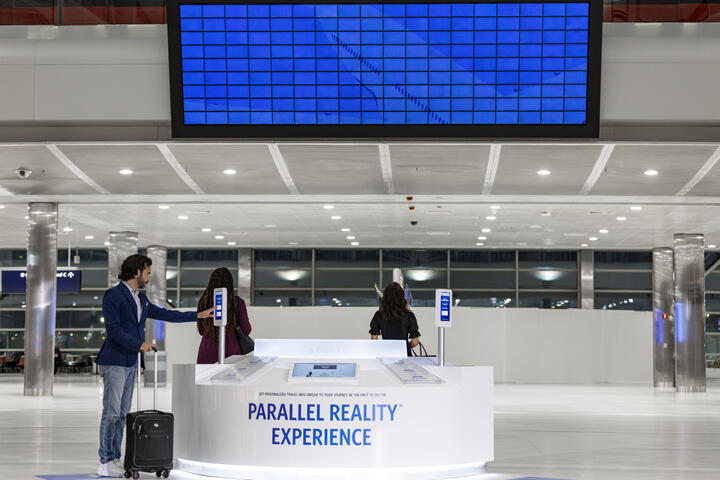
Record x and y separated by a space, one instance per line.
117 397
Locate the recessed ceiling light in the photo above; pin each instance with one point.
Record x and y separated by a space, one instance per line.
344 229
651 172
621 219
486 230
293 243
490 217
636 208
219 237
232 243
354 244
592 239
328 207
712 246
583 244
126 171
603 230
163 207
543 172
546 213
482 238
183 217
270 225
350 237
2 206
207 229
494 207
67 229
229 171
521 244
89 237
336 217
479 244
535 226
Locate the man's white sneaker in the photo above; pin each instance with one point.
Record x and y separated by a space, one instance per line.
111 469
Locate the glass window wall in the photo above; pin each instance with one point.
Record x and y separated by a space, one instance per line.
623 280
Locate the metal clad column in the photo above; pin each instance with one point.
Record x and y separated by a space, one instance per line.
689 287
244 274
157 293
663 320
40 315
154 329
120 246
587 279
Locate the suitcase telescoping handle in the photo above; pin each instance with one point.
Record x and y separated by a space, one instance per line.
155 385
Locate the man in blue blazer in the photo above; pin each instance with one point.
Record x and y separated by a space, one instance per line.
125 310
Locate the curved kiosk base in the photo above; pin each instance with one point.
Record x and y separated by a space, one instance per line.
328 409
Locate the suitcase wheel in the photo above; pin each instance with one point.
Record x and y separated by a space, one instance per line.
162 473
136 475
127 474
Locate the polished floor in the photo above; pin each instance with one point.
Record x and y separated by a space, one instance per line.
595 432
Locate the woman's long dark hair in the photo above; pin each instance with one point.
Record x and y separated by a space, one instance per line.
220 277
393 304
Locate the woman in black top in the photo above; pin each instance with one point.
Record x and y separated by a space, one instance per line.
394 321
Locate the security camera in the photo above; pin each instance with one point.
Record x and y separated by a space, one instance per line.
23 172
413 222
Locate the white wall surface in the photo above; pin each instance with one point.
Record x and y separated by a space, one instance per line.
651 73
523 345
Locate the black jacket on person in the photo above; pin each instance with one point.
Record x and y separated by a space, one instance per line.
395 329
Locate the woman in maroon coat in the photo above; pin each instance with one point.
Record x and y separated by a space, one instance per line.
237 315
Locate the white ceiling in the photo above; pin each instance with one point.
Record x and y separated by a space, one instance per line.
277 197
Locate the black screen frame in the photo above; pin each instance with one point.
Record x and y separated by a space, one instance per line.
374 131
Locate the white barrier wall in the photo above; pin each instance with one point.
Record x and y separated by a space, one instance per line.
523 345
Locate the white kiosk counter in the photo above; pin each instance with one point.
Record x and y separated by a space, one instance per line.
332 409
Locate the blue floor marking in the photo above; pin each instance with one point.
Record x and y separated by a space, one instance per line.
535 478
77 476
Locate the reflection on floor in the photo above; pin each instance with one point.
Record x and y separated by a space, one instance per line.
596 432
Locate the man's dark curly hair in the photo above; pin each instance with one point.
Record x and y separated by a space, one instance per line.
132 265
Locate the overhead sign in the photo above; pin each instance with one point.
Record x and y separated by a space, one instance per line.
15 281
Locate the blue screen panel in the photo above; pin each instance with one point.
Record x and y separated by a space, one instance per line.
441 64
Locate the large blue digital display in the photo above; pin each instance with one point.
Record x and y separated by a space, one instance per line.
382 64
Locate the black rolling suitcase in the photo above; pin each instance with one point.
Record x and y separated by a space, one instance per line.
148 438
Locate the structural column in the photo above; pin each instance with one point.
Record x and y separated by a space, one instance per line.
587 279
689 288
120 246
154 329
664 323
40 314
244 283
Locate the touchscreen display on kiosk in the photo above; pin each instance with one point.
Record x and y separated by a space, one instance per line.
445 307
324 370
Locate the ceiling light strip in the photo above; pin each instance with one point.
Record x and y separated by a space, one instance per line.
179 169
492 166
75 169
701 173
386 167
282 168
597 170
